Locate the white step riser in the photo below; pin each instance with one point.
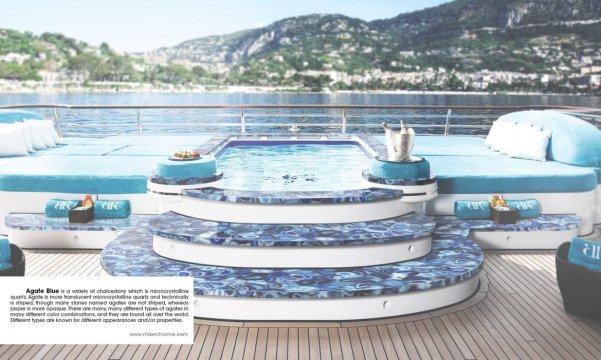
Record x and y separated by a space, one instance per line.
289 214
521 240
61 239
292 257
351 308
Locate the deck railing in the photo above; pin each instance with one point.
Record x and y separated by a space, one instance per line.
102 120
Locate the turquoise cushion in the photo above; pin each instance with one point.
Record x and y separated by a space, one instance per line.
112 209
78 150
451 145
471 210
183 142
400 170
585 253
12 116
56 208
502 174
529 208
203 167
448 145
149 150
573 141
79 174
4 251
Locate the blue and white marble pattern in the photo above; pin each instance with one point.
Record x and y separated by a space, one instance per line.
185 181
399 182
453 259
216 143
403 228
541 223
294 197
38 222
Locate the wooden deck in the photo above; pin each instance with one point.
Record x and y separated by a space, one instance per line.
517 314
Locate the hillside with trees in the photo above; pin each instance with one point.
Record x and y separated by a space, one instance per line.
485 45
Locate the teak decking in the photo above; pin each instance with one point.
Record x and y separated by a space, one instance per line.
517 314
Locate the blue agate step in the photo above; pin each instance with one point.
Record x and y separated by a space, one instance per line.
540 223
39 222
403 228
294 197
453 259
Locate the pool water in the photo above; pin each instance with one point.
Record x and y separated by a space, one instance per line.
293 167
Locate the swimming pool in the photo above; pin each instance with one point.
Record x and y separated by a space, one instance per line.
288 165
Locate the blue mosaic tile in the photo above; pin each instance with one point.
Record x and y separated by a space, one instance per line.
183 228
541 223
186 181
41 222
216 143
399 182
453 259
294 197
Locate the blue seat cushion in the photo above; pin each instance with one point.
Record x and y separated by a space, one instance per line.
449 145
573 141
78 174
486 174
12 116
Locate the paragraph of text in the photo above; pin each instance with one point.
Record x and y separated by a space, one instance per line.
114 310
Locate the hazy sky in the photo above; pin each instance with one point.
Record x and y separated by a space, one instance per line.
137 25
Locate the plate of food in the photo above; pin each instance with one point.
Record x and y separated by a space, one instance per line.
185 155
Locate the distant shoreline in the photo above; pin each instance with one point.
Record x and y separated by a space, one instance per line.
35 87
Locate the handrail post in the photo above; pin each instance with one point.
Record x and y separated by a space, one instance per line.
139 123
57 122
242 121
344 120
447 125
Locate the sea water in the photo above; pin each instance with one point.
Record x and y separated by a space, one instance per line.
159 121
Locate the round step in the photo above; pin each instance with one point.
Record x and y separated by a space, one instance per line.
292 245
445 276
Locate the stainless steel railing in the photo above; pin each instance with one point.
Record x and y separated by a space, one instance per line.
102 120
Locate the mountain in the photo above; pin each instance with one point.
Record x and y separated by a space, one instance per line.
492 14
292 38
58 59
25 56
553 37
495 45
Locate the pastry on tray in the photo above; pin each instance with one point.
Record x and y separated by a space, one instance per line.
186 154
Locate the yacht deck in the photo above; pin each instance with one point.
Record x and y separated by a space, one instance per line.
518 313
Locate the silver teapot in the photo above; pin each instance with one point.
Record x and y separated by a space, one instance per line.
399 143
